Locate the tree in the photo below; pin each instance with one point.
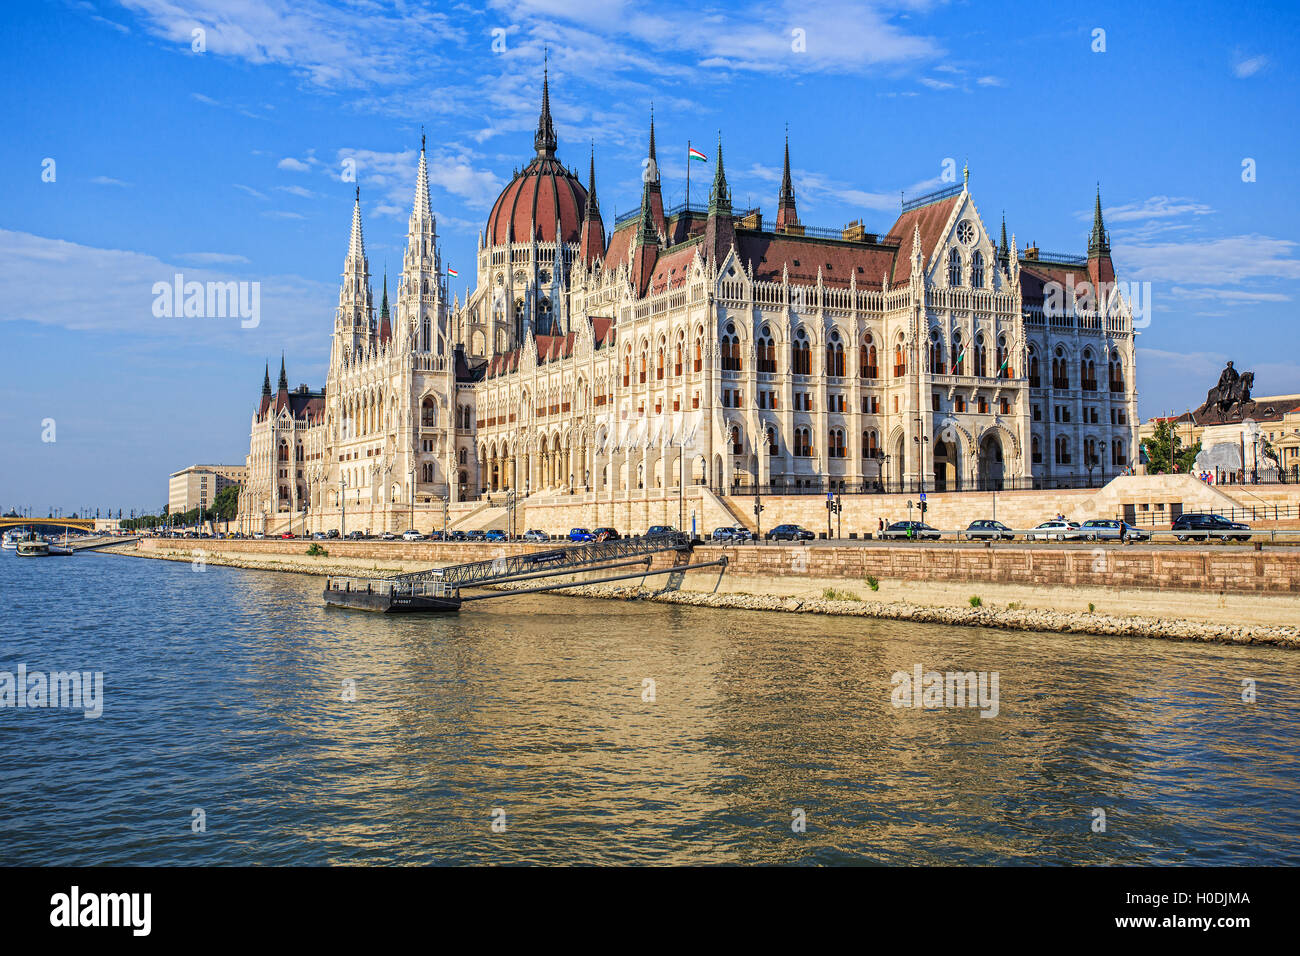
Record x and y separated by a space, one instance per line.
1165 451
226 504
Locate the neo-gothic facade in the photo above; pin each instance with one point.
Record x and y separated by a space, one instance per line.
703 345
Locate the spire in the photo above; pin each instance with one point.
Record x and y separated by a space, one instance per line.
544 140
785 208
284 379
593 207
653 166
385 326
420 208
719 194
383 305
1003 249
266 382
356 243
1098 241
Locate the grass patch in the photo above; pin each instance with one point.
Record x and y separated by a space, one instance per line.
975 601
873 582
316 551
831 594
1016 606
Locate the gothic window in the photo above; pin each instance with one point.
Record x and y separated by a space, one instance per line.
766 350
1034 380
659 363
981 356
801 354
730 349
463 458
428 412
835 355
737 446
802 443
954 267
977 269
868 367
428 472
545 318
870 444
1004 359
1062 450
699 352
936 353
1060 371
835 444
772 449
1088 372
1037 450
645 361
900 360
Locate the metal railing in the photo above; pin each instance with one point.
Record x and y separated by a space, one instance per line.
880 486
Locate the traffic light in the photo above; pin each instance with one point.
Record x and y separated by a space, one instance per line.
922 508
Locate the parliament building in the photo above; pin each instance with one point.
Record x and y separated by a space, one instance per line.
696 348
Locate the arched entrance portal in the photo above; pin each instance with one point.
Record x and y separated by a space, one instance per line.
947 477
990 463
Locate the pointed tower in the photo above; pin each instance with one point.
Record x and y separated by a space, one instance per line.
652 193
544 140
385 326
421 299
266 382
1100 268
593 228
1004 251
786 215
719 230
354 322
645 246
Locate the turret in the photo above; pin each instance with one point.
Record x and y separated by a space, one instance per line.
1100 268
786 215
719 230
593 229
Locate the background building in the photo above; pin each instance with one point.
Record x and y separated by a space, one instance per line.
197 485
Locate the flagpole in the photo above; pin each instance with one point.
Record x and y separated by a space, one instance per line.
688 180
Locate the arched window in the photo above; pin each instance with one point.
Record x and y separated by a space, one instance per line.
730 349
1060 371
428 412
699 353
1116 372
645 362
981 356
801 354
772 448
1004 359
958 354
1088 372
766 351
977 269
428 472
659 365
900 360
1037 449
802 443
870 444
868 365
463 458
680 355
954 268
1035 381
627 366
835 355
937 366
1062 450
737 445
835 443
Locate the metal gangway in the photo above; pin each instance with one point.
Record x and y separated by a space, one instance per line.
552 562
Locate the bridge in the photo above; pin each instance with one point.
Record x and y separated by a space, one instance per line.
81 524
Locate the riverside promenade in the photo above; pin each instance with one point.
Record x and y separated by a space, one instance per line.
1181 592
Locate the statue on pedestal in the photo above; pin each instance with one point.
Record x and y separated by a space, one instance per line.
1232 393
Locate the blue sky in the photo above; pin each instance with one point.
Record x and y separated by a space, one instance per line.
226 164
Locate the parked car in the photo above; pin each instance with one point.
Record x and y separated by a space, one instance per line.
912 530
1056 530
1196 526
581 534
656 529
259 535
732 533
605 534
1112 529
412 535
318 535
388 536
494 534
986 530
288 534
435 535
354 536
789 532
332 533
478 534
533 534
457 536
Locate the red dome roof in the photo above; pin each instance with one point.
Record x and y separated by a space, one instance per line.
537 197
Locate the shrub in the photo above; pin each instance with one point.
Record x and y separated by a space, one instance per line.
873 582
1091 607
831 594
316 551
975 601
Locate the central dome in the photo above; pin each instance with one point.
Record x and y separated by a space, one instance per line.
541 195
544 194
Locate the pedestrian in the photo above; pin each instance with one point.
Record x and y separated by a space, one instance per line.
880 527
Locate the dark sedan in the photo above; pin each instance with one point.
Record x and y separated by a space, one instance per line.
988 531
789 532
913 531
1196 526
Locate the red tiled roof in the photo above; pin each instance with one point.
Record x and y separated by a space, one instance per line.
543 192
931 218
767 255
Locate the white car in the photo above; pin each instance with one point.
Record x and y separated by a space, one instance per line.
1055 530
412 535
258 535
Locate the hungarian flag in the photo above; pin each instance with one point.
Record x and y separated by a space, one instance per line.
452 272
696 154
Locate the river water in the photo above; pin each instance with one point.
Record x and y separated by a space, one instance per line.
520 731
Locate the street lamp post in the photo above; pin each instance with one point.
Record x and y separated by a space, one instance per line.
343 506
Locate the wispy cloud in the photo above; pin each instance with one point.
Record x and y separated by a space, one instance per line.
295 165
1247 66
107 181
